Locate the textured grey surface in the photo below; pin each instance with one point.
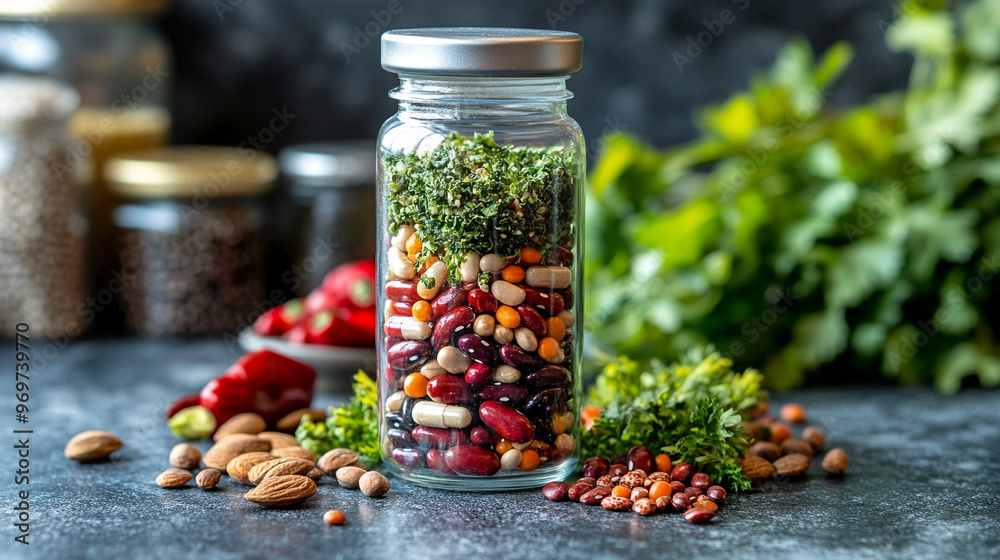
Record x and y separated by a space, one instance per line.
924 482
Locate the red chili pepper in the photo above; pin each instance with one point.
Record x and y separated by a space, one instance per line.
263 382
180 404
279 319
351 285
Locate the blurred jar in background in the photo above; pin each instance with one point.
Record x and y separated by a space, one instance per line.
331 216
43 226
113 53
190 238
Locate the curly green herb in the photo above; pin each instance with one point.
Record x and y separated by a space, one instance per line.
353 426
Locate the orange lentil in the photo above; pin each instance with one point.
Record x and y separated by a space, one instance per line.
508 317
427 263
513 274
413 246
793 412
503 446
415 385
421 311
548 348
663 463
334 517
556 328
659 488
530 255
779 433
529 460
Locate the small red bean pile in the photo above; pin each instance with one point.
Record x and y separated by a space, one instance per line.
643 484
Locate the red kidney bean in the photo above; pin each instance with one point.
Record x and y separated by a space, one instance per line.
589 480
472 460
579 489
620 460
555 491
483 436
567 297
549 376
548 400
595 467
549 303
513 355
698 515
547 452
681 472
482 301
435 460
478 349
448 299
450 389
701 480
408 457
451 323
562 256
533 320
438 437
400 438
406 354
403 308
507 422
618 469
504 392
478 374
680 501
692 492
676 487
594 496
716 493
402 291
639 457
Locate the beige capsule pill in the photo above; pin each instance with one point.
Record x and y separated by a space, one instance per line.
556 277
439 415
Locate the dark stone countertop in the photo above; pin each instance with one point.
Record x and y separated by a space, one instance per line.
924 482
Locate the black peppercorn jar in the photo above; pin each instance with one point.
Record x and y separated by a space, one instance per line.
189 237
480 181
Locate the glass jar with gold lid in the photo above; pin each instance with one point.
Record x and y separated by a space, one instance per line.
113 53
189 233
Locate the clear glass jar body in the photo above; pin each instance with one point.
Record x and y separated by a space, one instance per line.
188 268
480 183
43 240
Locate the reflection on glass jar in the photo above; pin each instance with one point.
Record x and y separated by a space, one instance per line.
480 181
43 227
190 238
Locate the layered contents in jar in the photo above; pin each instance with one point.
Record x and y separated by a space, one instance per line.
479 343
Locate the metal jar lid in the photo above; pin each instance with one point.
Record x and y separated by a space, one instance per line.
482 51
79 8
190 171
336 164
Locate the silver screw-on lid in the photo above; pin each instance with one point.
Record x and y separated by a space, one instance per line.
482 51
347 163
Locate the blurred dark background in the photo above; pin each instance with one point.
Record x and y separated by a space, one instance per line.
236 61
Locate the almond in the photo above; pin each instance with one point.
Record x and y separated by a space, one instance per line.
279 467
349 477
764 449
796 445
296 452
290 421
282 491
92 445
173 478
315 474
835 461
373 484
757 469
279 440
814 436
208 479
335 459
794 464
246 423
239 466
229 447
185 456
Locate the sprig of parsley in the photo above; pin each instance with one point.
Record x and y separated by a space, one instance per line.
691 411
353 426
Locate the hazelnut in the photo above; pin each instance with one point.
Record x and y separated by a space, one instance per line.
373 484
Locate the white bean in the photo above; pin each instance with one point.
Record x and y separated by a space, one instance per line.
508 293
402 234
492 263
399 265
470 268
526 339
438 272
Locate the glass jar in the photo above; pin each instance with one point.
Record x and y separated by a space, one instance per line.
480 181
43 225
113 52
190 239
331 219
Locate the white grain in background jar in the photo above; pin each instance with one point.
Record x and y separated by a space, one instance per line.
43 227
